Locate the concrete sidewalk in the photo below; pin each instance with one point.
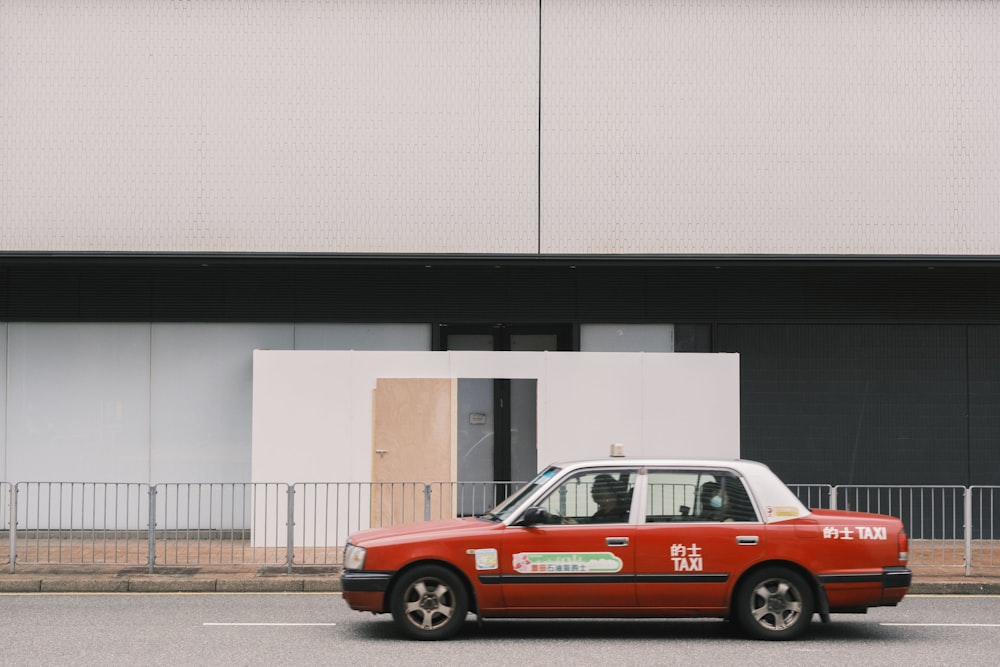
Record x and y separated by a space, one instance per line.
326 579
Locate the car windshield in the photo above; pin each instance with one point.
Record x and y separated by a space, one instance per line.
511 504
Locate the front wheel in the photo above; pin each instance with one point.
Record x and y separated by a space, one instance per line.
429 602
773 603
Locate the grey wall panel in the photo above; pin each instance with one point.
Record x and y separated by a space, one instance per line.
626 338
3 405
332 336
78 402
201 398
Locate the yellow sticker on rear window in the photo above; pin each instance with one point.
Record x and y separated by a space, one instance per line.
782 510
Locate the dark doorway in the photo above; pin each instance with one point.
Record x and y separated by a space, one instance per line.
514 401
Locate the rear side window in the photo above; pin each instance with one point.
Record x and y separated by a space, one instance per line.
697 495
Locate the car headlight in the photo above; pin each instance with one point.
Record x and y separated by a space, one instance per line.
354 557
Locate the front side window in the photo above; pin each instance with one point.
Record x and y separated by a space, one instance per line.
592 497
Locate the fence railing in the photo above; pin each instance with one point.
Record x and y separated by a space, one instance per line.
307 524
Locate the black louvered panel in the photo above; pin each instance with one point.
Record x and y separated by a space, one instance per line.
325 289
984 404
855 404
615 295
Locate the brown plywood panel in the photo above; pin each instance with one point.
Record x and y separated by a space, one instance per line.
413 442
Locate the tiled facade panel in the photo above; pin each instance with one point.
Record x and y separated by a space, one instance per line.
787 127
394 126
365 126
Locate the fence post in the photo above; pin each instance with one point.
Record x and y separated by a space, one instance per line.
151 528
427 502
290 522
13 526
833 497
968 530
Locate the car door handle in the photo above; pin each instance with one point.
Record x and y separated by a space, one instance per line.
616 541
747 540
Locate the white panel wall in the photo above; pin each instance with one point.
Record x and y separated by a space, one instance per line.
674 127
371 126
787 127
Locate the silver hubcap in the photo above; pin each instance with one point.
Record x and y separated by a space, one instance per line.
776 604
429 604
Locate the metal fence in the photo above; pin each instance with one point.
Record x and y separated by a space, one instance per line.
306 524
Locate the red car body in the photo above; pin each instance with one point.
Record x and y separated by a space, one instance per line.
766 562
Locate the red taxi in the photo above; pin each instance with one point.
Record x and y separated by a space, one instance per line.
633 538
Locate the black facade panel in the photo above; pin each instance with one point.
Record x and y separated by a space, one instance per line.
256 289
984 404
854 404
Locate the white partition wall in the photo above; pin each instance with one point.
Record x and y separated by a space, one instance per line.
313 410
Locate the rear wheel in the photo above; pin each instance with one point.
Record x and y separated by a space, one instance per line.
429 602
774 603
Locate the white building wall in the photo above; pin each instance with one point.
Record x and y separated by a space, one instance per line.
594 127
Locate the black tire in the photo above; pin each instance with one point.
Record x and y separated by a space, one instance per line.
429 602
774 603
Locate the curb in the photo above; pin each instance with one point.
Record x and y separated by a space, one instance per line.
57 584
955 588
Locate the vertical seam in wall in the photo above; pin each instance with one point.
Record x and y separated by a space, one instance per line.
539 180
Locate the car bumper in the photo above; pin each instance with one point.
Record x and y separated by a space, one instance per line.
857 591
365 591
359 581
896 577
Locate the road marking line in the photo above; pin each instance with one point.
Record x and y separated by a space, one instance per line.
946 625
268 624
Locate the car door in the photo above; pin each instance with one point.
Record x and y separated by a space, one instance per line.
688 551
584 558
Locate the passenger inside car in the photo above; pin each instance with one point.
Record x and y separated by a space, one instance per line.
713 502
727 501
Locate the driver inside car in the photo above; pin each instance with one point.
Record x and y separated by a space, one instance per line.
609 495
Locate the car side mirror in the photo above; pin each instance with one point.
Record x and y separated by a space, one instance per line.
534 516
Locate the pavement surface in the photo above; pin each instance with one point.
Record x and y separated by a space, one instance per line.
253 579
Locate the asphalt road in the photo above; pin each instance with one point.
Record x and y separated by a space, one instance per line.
318 629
